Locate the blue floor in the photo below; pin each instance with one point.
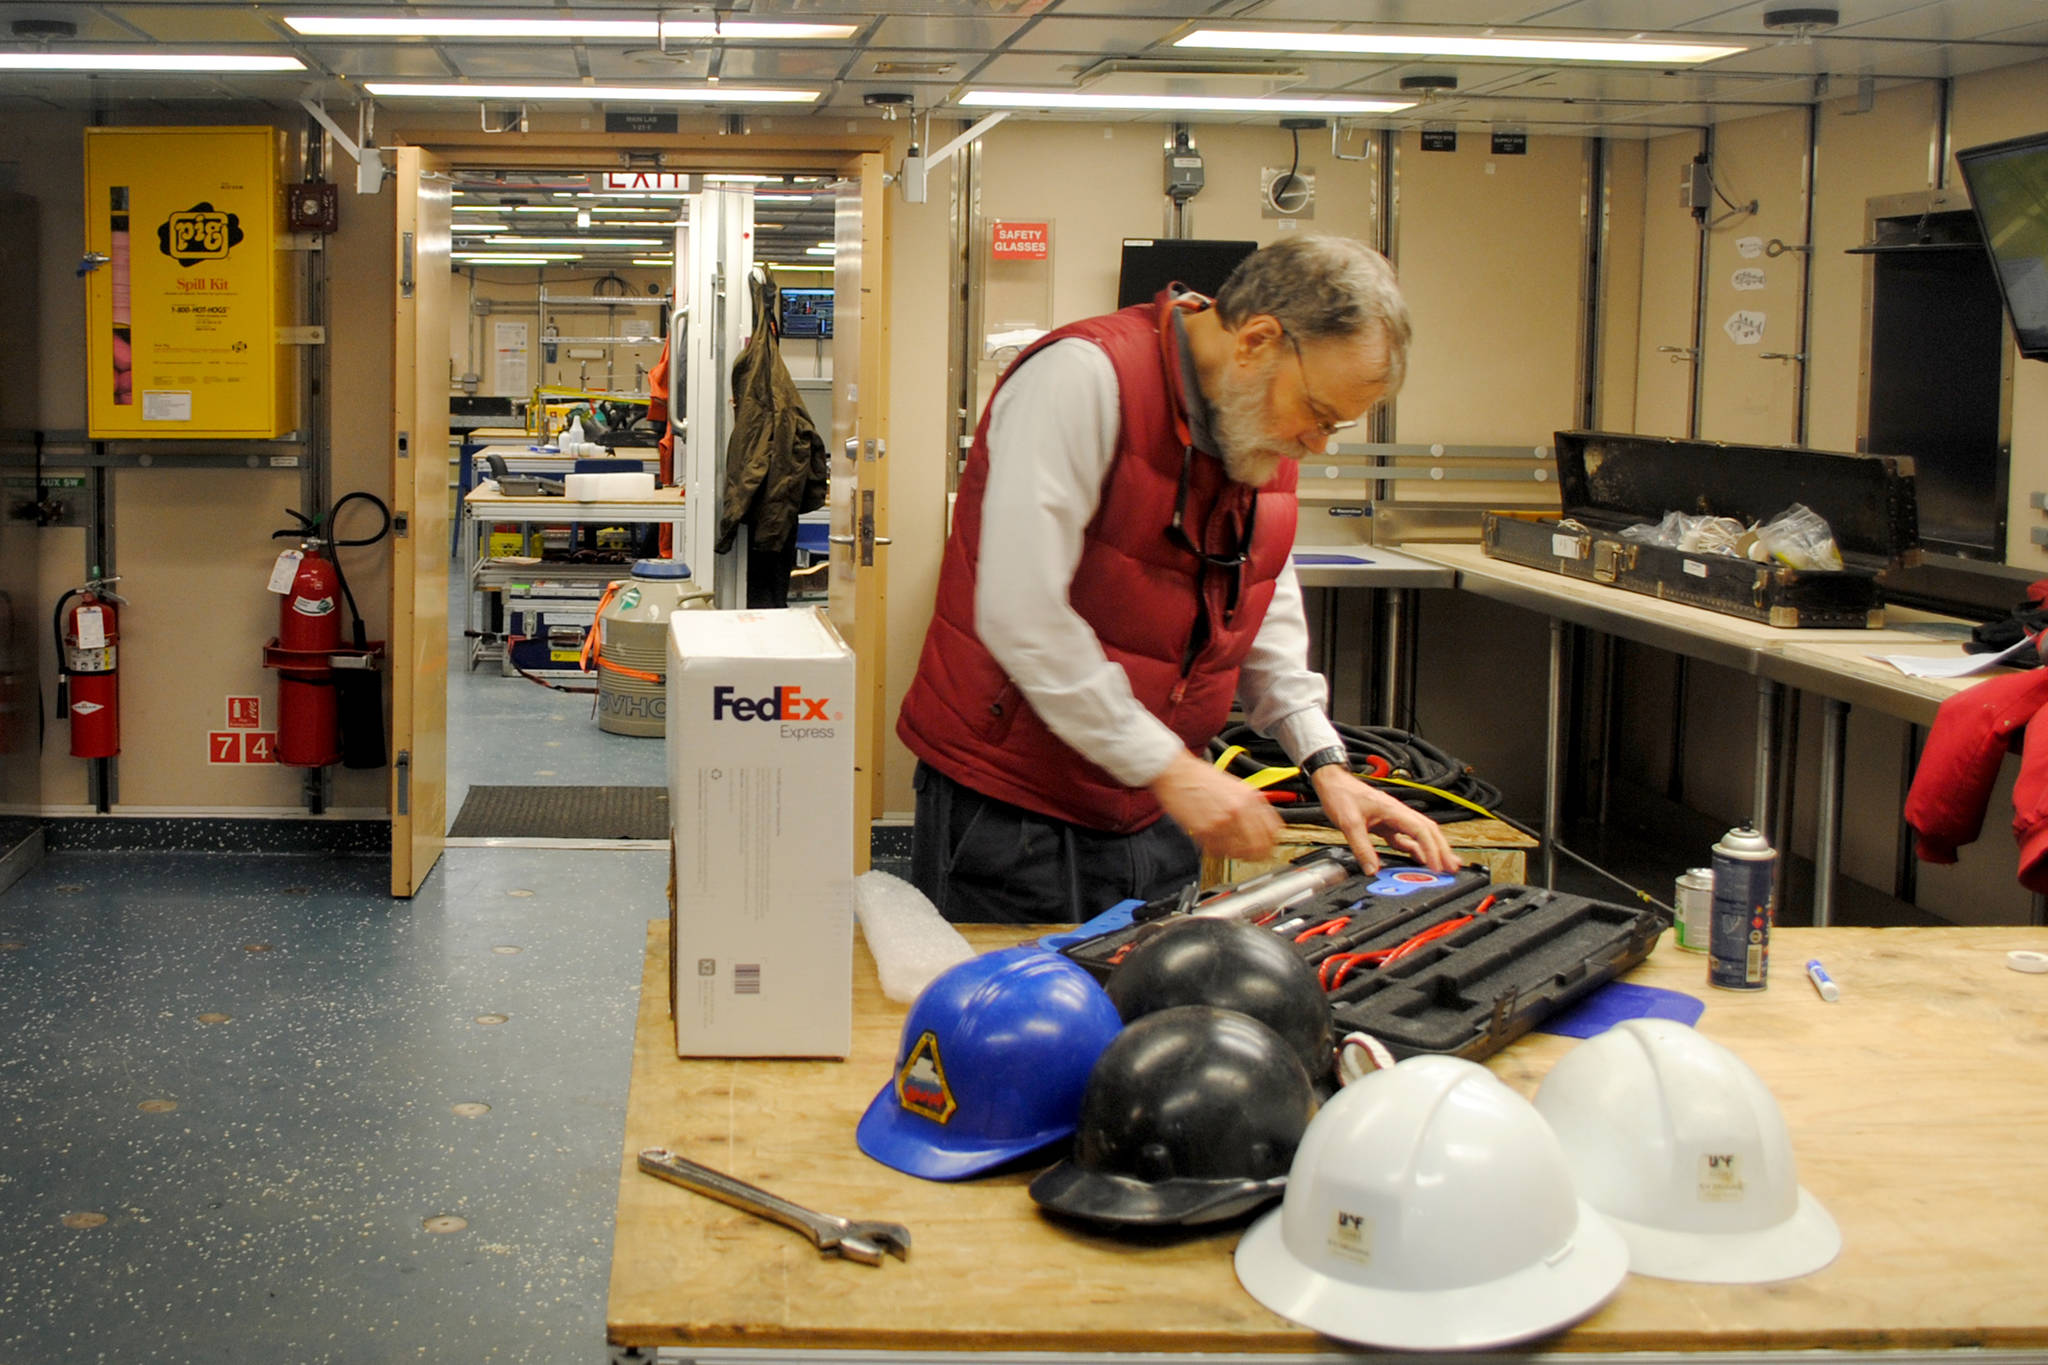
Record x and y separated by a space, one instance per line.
241 1098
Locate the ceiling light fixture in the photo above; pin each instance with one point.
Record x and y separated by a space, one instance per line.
515 257
1164 104
647 94
155 63
613 30
1451 45
576 241
654 260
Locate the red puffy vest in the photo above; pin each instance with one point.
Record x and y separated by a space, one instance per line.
1178 627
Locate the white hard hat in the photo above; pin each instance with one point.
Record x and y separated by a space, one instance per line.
1429 1208
1678 1141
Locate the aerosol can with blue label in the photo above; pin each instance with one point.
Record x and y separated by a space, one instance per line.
1745 880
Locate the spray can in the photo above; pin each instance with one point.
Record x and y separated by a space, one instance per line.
1694 902
1745 876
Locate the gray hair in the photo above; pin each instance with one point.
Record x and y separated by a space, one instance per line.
1321 287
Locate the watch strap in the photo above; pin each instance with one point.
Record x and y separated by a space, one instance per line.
1323 758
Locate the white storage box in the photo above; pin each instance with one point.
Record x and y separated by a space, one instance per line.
760 781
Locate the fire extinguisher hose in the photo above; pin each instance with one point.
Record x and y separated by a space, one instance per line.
362 637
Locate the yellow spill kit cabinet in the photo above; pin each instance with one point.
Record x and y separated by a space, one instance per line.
182 318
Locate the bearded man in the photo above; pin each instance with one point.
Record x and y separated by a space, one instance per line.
1118 571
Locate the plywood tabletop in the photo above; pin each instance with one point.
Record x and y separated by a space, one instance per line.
1918 1106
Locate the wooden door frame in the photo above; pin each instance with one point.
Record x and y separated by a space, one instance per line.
848 155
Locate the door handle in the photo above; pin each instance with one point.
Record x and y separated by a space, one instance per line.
844 540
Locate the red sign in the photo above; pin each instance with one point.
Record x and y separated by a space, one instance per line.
647 181
245 713
1021 241
234 746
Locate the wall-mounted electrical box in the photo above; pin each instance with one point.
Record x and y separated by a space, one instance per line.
191 286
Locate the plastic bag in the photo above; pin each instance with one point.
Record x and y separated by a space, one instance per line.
1799 538
1692 534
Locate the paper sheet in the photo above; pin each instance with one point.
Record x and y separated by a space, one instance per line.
1948 665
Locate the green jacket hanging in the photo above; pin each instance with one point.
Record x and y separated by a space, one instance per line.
776 464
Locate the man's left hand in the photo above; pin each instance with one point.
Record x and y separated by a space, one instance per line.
1357 810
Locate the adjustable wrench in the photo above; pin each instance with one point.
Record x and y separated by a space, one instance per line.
856 1239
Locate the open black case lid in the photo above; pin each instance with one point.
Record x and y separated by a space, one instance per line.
1868 500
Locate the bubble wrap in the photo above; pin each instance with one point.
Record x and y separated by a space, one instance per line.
910 941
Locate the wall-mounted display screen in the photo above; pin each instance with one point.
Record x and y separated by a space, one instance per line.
2009 186
1152 263
806 313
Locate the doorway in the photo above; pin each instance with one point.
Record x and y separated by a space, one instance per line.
545 737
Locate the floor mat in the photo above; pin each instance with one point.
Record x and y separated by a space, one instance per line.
562 813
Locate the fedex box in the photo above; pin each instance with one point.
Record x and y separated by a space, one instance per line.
760 785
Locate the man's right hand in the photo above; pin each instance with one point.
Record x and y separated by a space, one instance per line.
1228 818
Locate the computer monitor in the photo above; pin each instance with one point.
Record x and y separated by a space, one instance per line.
806 313
1152 263
2008 184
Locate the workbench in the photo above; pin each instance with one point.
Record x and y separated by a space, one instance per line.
1833 664
1917 1105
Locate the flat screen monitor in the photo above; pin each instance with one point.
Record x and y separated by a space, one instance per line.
1152 263
806 312
2009 188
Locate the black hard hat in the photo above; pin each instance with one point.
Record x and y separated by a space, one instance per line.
1191 1115
1234 967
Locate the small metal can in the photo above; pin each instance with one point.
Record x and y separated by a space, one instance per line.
1694 902
1745 878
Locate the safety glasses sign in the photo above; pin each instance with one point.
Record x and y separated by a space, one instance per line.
1021 241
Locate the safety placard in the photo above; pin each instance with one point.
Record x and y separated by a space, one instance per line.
245 713
241 746
1021 241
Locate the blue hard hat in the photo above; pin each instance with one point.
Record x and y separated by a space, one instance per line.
993 1063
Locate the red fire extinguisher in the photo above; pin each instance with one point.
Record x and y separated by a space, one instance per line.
329 699
87 627
308 623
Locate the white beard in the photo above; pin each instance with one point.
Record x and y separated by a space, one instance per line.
1239 420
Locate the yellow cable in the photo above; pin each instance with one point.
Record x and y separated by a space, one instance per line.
1266 777
1223 759
1438 791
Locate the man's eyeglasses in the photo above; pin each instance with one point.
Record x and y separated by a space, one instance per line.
1316 410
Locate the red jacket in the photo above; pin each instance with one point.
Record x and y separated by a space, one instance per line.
1973 731
1162 615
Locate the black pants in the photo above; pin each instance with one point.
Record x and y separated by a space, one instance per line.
984 861
768 572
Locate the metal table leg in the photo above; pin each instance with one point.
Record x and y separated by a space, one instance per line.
1767 697
1553 755
1827 834
1393 659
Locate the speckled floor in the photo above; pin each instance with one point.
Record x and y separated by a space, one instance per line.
244 1101
238 1092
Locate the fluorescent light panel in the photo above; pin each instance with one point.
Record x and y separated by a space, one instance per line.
644 94
576 241
1161 104
612 30
515 257
1452 45
654 260
158 62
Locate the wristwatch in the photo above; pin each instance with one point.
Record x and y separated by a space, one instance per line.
1323 758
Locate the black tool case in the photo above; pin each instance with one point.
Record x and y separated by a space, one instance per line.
1611 480
1470 992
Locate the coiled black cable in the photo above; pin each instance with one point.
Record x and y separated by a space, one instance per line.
1373 752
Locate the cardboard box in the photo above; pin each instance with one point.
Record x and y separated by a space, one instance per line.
760 776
